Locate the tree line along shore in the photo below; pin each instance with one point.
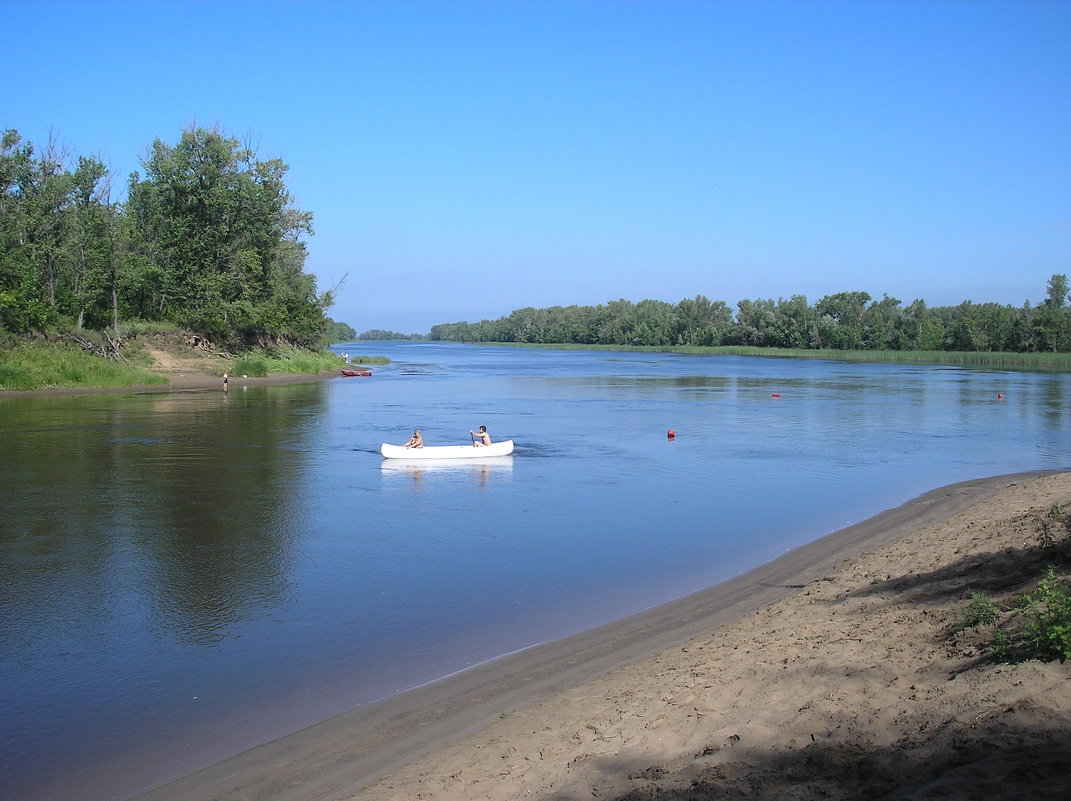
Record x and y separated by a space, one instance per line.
842 322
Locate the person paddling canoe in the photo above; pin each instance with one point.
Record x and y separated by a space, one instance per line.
415 441
480 437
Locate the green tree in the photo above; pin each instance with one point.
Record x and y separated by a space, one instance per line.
700 321
218 244
44 190
755 323
1052 319
909 330
1058 293
844 312
795 323
92 246
880 322
19 309
931 335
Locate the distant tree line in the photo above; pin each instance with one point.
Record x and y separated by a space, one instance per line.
385 336
208 239
843 321
339 332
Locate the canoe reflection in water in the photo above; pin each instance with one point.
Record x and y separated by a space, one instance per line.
447 471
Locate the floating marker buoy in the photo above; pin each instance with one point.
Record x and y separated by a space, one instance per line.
671 434
776 395
1000 396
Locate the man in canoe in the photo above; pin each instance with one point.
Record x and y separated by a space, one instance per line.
480 437
415 441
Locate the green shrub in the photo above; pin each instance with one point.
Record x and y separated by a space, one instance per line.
1002 648
1039 627
980 612
250 366
1047 538
263 361
136 327
36 365
14 378
1048 612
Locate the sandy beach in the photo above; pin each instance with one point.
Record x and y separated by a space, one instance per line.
839 671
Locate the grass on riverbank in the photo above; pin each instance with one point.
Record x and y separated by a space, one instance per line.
1059 361
29 366
32 365
262 362
1035 624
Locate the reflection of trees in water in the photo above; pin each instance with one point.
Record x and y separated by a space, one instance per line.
218 542
177 499
57 554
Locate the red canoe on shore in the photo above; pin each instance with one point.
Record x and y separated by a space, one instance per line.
357 372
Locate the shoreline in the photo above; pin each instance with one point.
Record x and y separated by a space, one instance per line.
415 742
182 382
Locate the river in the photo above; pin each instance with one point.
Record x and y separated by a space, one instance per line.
186 575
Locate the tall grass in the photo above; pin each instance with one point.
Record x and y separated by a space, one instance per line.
263 361
57 365
967 358
1059 361
134 327
28 366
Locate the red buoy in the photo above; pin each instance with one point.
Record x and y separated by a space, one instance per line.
671 434
776 395
1000 396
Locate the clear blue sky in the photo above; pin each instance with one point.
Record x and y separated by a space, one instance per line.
464 159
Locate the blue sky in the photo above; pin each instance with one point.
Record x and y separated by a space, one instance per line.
464 159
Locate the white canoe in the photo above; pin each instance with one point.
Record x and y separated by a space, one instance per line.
504 448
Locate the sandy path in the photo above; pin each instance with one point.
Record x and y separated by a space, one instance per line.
811 677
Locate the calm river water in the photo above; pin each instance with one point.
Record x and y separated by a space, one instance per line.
187 575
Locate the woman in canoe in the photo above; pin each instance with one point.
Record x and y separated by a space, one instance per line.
482 435
415 441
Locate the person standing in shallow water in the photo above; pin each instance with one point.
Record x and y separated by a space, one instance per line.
482 436
226 376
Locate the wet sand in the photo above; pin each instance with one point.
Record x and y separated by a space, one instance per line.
833 672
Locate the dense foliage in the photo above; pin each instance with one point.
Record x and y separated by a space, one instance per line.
208 239
380 335
339 332
844 321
